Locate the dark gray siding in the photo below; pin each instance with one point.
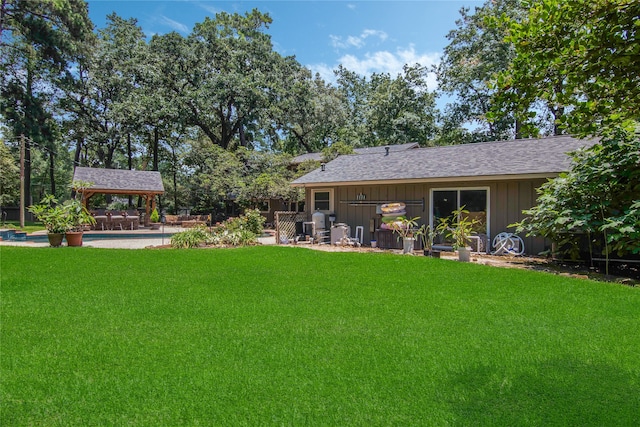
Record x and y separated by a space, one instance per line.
507 199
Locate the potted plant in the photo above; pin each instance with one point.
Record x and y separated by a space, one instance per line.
53 217
77 215
154 219
459 227
406 229
426 235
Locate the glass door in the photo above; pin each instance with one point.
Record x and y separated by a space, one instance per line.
444 202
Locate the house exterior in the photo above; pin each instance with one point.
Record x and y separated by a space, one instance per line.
495 181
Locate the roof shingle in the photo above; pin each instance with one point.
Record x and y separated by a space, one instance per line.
544 156
365 150
120 180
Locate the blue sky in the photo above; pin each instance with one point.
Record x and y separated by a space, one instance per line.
364 36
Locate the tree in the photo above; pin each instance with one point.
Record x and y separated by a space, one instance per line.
599 196
593 45
476 51
308 111
215 175
267 176
401 110
221 75
37 41
9 178
385 110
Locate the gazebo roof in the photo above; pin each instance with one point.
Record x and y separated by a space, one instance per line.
120 181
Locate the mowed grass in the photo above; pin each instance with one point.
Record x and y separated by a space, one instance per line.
288 336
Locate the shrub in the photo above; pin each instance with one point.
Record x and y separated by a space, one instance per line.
254 221
154 217
192 238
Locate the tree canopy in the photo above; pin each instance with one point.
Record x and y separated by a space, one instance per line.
580 56
592 46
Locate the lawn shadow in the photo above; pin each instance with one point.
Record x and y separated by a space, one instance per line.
558 392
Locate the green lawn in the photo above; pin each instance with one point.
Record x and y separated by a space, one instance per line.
29 226
289 336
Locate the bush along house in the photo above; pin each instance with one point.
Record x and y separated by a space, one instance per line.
494 181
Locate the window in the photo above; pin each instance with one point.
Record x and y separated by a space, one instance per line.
322 200
474 200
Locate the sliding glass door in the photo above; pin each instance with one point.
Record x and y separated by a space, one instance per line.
474 200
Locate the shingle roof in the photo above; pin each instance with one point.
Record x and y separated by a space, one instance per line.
545 156
366 150
121 180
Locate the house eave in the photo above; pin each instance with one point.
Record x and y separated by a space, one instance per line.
546 175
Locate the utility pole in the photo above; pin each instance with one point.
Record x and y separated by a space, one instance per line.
22 181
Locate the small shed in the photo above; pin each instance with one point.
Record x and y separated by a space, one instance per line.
147 184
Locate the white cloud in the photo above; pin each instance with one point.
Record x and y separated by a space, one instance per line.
381 62
178 26
211 9
356 41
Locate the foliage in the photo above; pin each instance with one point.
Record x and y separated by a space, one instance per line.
105 97
222 75
117 205
194 237
405 227
335 150
258 328
476 51
265 176
600 194
578 54
254 222
426 234
458 227
154 216
77 215
9 178
38 41
311 113
52 215
233 237
385 110
251 221
214 174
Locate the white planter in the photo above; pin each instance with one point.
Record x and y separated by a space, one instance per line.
407 245
464 254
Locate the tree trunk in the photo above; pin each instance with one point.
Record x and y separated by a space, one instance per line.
52 169
78 152
129 161
243 140
174 169
518 129
155 148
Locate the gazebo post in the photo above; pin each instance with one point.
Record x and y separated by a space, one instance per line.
147 201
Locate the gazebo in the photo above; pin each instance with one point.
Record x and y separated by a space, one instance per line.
147 184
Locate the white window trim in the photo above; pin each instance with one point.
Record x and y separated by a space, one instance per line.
313 199
458 189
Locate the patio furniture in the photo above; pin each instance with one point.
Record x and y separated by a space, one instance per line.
101 222
117 221
132 222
